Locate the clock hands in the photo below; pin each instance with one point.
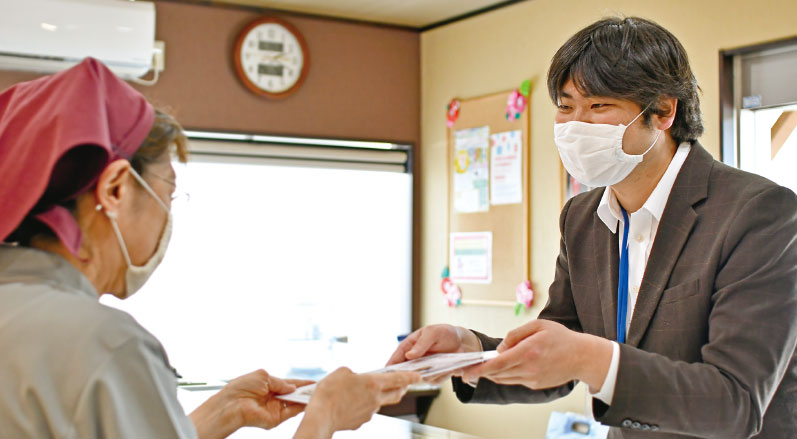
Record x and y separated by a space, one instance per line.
281 58
284 57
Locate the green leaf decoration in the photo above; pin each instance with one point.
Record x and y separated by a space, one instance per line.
525 88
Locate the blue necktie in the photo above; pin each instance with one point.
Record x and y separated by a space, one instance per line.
622 282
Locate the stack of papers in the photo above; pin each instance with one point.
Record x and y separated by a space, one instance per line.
439 364
429 367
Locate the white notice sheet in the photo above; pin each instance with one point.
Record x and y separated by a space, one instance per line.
471 257
506 182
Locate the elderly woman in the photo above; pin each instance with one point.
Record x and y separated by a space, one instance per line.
85 194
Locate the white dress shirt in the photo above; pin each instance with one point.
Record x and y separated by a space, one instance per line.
643 225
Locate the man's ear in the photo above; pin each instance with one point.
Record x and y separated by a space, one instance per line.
111 187
665 116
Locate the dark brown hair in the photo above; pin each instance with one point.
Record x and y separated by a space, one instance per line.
166 137
633 59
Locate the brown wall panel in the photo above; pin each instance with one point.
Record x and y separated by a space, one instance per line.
363 83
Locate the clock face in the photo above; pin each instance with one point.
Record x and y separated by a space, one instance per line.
271 57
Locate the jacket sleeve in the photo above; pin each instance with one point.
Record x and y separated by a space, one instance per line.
560 308
752 333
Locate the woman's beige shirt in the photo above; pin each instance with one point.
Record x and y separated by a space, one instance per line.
71 367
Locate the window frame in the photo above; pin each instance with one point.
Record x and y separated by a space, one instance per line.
730 84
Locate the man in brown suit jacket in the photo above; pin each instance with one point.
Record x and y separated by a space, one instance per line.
710 274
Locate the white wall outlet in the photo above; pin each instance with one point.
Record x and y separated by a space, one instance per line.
159 56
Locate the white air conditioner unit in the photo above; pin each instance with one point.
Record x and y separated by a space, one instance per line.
52 35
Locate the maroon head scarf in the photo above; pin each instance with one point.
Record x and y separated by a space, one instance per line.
57 134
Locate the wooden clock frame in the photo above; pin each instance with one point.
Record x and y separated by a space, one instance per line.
239 41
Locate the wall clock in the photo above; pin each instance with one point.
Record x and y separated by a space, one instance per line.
271 57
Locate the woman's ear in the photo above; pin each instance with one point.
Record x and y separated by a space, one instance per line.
111 185
664 117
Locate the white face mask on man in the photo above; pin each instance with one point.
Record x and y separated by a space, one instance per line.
593 153
137 275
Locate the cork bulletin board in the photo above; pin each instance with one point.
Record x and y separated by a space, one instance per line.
508 223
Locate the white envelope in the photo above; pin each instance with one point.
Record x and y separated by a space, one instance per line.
428 367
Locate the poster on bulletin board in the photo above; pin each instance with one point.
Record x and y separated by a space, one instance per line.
506 167
471 257
570 186
471 173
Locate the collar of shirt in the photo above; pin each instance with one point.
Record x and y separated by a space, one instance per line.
31 265
609 207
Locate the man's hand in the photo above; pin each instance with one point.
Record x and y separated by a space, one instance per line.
543 354
435 339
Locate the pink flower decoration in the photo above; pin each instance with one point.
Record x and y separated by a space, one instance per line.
524 294
515 105
452 292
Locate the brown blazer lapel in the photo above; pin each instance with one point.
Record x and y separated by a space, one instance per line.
676 223
607 266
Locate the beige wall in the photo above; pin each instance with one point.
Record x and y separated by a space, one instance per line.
495 52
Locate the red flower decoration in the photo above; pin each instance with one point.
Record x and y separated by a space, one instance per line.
452 112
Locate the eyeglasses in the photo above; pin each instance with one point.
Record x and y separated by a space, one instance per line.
171 182
178 196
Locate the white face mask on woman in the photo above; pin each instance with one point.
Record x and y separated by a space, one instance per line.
593 153
137 275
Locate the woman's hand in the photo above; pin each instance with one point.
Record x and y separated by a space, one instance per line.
255 394
247 401
345 400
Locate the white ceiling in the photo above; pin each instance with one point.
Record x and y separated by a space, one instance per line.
412 13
